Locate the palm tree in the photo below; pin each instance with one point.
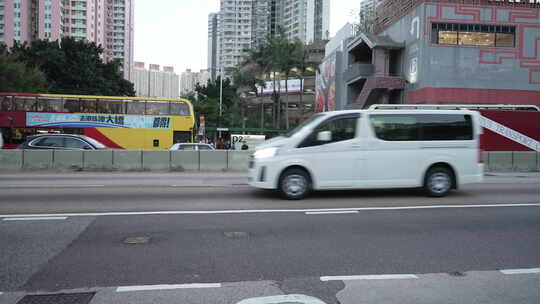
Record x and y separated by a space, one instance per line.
306 66
291 59
261 62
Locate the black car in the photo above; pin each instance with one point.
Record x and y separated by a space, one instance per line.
61 142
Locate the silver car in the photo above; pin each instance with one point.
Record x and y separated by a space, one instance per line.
191 147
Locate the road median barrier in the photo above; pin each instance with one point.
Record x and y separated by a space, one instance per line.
179 161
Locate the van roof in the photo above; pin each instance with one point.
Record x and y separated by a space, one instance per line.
402 111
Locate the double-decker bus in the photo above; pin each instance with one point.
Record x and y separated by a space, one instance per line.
134 123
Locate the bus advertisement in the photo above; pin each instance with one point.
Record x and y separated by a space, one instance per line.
132 123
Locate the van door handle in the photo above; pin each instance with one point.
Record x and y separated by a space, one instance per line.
356 146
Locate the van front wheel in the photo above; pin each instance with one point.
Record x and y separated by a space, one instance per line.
294 184
438 182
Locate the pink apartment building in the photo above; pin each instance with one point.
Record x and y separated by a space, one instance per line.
108 23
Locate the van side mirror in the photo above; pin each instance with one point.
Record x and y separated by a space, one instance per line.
324 136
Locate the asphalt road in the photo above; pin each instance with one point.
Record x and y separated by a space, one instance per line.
226 243
100 192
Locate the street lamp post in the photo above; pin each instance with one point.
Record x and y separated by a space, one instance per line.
220 99
221 92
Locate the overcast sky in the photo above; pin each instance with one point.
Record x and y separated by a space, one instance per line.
175 32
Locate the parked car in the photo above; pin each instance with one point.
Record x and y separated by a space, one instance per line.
361 149
191 147
61 142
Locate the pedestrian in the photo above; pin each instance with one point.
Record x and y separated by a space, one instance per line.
220 144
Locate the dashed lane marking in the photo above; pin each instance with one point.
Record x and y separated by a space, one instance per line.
331 212
166 287
370 277
50 218
521 271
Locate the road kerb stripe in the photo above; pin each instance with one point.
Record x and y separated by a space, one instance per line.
331 212
50 218
521 271
370 277
267 211
166 287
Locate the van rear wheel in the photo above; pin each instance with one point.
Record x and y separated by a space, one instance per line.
438 182
294 184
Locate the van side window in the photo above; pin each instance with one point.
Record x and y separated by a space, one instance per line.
395 127
423 127
446 127
342 128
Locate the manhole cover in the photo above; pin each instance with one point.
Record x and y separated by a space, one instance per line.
236 235
456 274
65 298
134 240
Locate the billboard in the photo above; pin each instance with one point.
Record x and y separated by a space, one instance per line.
295 86
36 119
326 85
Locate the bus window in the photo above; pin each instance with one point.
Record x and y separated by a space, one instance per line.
71 105
88 106
23 103
49 105
7 103
179 108
110 106
103 106
135 107
157 107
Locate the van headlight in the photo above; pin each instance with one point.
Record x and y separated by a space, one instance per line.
265 153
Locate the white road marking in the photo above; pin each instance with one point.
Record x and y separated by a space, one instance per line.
50 218
263 211
331 212
370 277
521 271
39 186
300 299
166 287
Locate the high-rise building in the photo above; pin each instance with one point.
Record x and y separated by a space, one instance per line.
308 20
189 80
108 23
241 24
154 82
213 41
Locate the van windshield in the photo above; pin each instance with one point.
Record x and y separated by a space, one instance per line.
303 124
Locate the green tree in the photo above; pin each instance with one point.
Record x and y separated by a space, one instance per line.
74 67
245 83
290 56
276 57
206 102
17 77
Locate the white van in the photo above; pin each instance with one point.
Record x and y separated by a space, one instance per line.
363 149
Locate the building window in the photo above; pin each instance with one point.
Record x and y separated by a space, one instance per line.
474 34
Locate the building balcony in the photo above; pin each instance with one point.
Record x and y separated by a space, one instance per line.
358 71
